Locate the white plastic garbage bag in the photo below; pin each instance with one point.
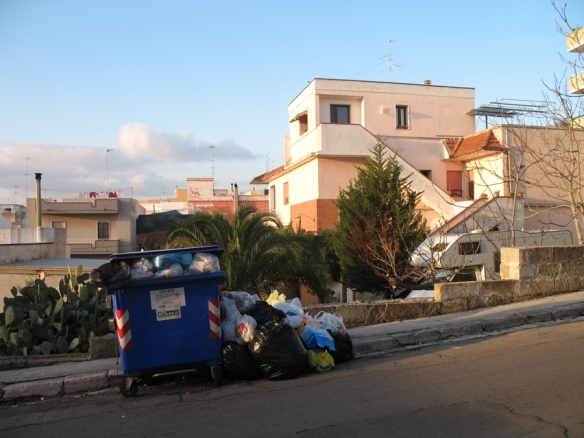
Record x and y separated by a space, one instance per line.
245 329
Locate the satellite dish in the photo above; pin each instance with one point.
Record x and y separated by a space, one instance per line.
436 223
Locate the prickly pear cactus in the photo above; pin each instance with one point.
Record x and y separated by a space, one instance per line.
43 320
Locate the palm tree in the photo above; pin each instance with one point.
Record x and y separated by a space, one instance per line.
260 253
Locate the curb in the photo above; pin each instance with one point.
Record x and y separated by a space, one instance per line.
62 385
484 326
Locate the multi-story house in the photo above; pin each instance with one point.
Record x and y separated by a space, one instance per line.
334 125
96 227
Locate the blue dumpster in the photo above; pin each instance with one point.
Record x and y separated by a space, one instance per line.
167 325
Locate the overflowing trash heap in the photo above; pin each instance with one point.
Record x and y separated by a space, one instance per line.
277 340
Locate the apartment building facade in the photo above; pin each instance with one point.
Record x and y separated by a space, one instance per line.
333 125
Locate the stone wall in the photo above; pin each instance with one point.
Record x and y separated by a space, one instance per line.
526 273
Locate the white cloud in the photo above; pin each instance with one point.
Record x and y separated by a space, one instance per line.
138 141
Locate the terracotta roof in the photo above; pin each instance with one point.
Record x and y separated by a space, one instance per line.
480 141
264 177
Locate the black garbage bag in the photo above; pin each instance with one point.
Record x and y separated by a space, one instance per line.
111 275
278 350
239 363
343 346
262 312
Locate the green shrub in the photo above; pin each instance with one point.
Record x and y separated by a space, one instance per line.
43 320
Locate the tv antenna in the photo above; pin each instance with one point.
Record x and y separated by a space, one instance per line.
212 159
389 55
267 162
26 181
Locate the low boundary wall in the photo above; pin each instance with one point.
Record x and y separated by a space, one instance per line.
526 273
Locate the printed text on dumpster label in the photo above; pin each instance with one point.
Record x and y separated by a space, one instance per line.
167 302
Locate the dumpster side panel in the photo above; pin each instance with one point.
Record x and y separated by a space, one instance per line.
168 324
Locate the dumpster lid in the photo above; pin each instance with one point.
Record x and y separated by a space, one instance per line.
215 250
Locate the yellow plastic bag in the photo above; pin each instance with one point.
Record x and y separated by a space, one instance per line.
320 360
275 297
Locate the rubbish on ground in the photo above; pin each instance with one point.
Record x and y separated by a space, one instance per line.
228 330
231 312
243 300
275 297
245 329
343 346
279 351
280 336
328 321
262 312
239 363
316 337
320 360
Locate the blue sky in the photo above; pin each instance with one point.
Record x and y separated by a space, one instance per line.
158 82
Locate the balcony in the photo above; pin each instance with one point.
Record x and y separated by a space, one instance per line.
93 246
576 84
575 40
77 206
332 139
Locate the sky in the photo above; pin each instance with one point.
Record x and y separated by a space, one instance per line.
130 95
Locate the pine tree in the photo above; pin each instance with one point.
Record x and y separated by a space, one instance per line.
378 226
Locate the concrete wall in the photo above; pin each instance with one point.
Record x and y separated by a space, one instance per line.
19 245
527 273
11 276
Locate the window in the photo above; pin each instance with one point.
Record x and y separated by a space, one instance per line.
58 224
286 196
303 120
272 197
401 115
469 248
340 114
103 230
454 182
427 174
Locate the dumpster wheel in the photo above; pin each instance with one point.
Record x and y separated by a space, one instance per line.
216 374
129 392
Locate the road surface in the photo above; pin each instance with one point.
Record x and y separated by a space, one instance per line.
524 383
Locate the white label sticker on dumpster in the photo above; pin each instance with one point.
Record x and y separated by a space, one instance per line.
167 302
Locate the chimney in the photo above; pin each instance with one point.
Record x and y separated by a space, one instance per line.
235 198
427 82
37 177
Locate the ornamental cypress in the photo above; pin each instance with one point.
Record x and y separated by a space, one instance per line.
378 225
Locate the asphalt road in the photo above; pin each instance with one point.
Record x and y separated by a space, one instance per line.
525 383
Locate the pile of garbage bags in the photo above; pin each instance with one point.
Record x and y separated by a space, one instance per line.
174 265
276 339
117 272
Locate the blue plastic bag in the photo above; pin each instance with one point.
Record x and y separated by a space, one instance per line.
164 261
314 338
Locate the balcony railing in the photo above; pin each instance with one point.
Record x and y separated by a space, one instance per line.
79 206
576 84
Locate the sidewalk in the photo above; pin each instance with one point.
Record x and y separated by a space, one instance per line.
78 377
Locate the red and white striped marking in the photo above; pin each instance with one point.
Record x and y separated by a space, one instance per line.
123 329
214 319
